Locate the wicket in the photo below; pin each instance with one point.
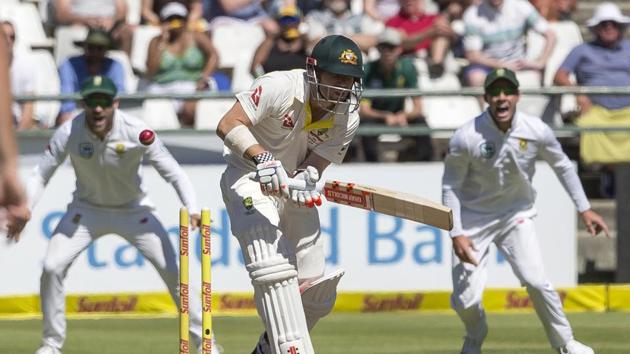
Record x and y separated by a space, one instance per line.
206 282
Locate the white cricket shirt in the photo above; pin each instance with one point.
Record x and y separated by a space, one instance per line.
488 174
109 171
277 105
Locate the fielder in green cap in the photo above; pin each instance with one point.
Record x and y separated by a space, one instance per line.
289 127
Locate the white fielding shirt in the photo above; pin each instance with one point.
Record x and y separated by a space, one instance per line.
277 106
488 174
109 171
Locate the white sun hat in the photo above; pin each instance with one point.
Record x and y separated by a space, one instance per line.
607 11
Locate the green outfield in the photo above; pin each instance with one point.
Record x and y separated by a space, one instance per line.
383 333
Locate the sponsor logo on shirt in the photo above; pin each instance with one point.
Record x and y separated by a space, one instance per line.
86 150
318 136
287 122
487 149
256 95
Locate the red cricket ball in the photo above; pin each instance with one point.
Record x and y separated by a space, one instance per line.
147 137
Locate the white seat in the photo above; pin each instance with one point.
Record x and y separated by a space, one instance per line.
140 47
28 24
131 81
531 104
160 114
47 84
134 10
210 111
65 37
236 43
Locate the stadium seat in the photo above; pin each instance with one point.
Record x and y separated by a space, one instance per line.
210 111
131 81
160 114
28 24
531 104
64 41
47 84
140 47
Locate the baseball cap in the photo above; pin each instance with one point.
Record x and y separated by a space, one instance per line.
96 36
98 84
173 9
390 36
500 74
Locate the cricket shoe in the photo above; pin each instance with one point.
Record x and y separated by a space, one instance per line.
575 347
262 347
46 349
471 346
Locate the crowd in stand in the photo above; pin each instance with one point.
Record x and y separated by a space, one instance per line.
406 43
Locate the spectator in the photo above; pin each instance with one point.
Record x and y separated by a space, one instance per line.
555 10
284 52
23 80
391 71
152 8
75 70
381 10
423 33
218 12
602 62
108 15
453 11
336 18
181 61
496 33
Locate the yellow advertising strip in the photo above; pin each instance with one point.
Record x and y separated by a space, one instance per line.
581 298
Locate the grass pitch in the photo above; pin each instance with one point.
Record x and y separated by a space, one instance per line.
383 333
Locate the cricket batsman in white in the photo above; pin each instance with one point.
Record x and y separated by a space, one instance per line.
488 183
106 148
290 124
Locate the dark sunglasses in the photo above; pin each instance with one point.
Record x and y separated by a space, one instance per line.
92 47
496 91
103 102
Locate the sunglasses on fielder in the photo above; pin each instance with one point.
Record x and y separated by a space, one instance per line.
103 102
496 91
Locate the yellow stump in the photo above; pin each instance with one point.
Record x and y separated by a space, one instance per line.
206 282
184 340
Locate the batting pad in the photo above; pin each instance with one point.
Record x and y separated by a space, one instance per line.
278 299
318 297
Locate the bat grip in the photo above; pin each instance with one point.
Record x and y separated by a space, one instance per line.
293 183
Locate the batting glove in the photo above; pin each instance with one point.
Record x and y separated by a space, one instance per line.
311 196
271 176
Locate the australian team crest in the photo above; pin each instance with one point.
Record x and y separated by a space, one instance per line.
348 57
86 150
487 149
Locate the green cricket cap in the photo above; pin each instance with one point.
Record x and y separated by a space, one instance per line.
500 74
338 55
98 84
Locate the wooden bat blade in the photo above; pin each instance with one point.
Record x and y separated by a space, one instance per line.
389 202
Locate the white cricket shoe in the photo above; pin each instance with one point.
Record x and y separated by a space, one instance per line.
575 347
471 346
46 349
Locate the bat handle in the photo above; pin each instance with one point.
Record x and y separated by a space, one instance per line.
299 184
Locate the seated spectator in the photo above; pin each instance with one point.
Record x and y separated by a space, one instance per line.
555 10
453 11
496 34
602 62
381 10
108 15
151 9
23 81
75 70
218 12
391 71
181 61
336 18
423 33
286 51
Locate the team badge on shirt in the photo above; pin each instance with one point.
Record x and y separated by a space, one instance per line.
348 57
487 149
120 148
86 150
522 144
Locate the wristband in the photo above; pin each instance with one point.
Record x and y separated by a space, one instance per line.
239 139
263 157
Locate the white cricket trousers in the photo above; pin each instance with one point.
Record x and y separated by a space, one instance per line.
76 230
517 241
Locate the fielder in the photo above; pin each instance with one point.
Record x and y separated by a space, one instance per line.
290 123
488 183
106 148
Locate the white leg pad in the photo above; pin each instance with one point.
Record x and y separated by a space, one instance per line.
278 300
318 297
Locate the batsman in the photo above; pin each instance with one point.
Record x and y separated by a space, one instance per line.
290 124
